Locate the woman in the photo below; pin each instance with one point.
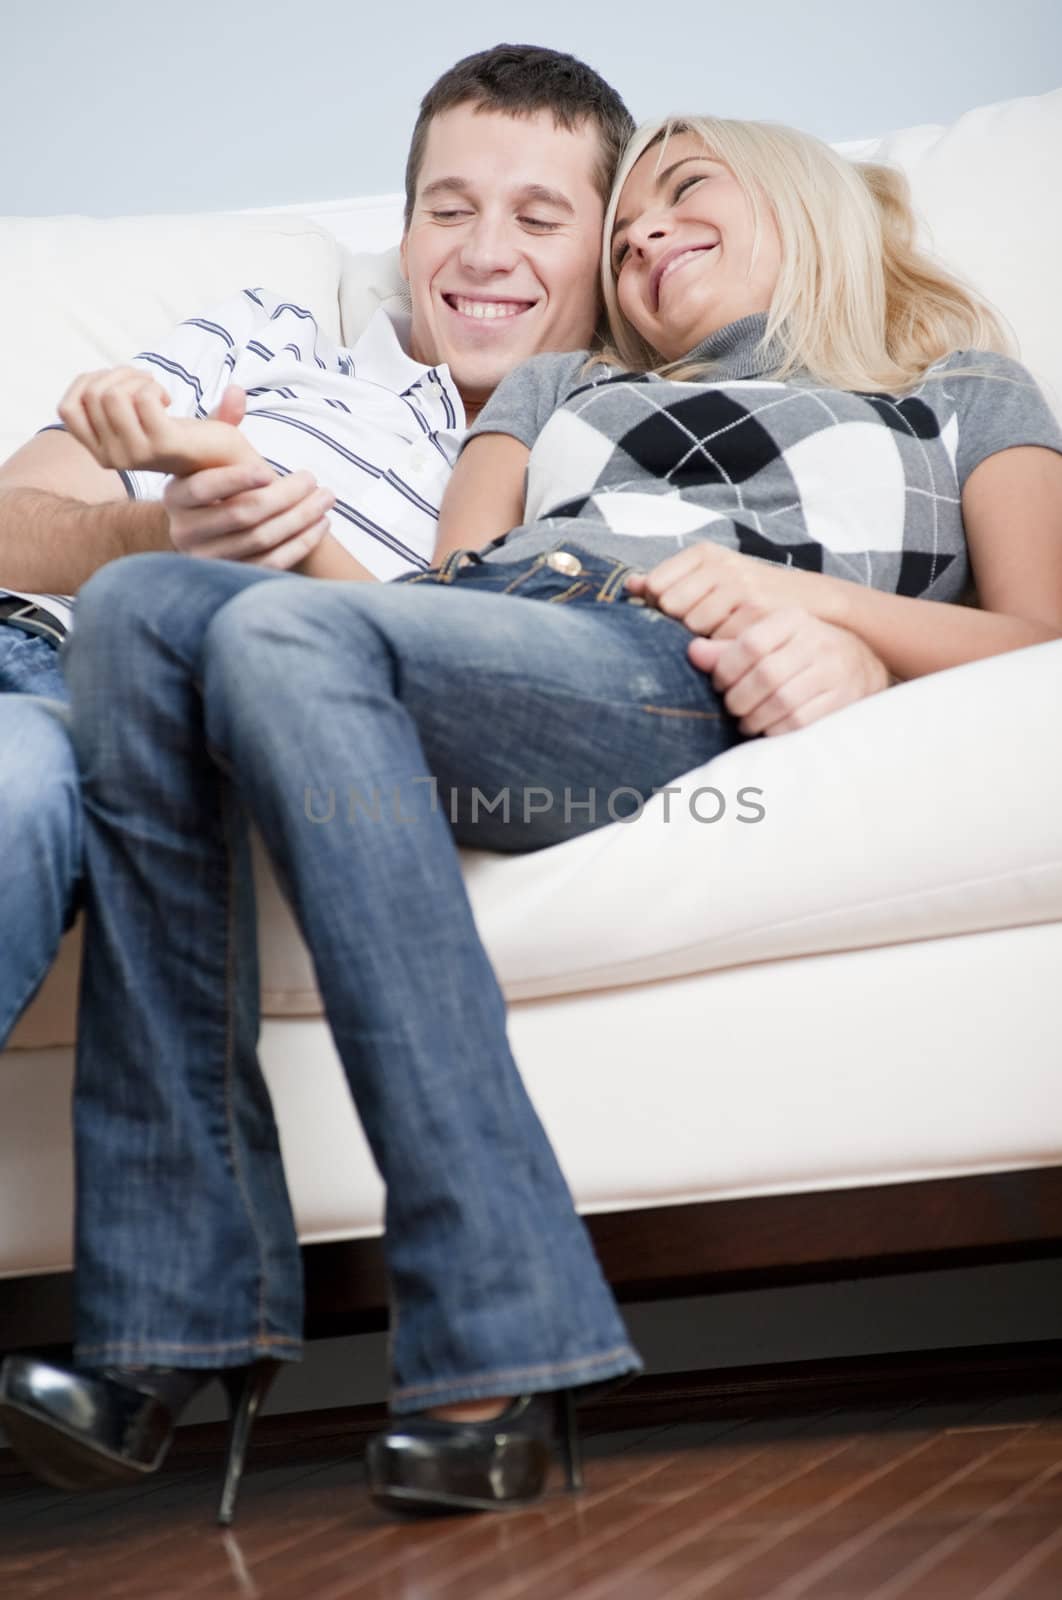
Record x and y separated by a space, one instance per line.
809 464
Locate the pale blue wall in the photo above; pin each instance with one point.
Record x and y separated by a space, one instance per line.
123 105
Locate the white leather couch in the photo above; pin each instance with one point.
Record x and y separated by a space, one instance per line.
863 989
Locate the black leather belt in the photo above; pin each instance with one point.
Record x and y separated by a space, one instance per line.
31 618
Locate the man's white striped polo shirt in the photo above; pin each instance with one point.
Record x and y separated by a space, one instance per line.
373 425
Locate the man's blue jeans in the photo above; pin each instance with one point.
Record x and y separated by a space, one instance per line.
343 719
40 818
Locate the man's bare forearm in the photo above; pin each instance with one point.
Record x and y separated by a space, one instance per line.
53 545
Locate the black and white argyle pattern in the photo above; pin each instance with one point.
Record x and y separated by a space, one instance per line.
861 486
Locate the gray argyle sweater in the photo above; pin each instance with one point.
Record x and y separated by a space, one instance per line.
861 486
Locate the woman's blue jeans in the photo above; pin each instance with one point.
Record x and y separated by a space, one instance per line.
355 724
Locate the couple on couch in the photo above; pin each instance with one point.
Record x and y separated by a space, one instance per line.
757 501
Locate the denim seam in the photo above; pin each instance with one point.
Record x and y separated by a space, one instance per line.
510 588
538 564
567 594
680 711
229 1027
116 1353
512 1375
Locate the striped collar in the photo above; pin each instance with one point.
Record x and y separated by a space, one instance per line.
381 355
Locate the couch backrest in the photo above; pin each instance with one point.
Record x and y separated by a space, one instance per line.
987 189
85 293
82 293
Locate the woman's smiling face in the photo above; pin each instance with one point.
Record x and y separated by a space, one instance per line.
682 249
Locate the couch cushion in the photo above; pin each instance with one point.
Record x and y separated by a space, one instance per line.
933 809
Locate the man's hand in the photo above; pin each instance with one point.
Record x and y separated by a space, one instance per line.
705 583
248 513
779 670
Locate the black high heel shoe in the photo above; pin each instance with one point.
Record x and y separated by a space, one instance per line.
95 1427
424 1463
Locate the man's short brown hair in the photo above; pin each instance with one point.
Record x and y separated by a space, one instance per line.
521 79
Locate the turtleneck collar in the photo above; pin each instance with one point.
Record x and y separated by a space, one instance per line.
734 351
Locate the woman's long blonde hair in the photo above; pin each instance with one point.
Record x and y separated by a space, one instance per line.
857 304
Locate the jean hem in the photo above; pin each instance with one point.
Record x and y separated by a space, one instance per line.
542 1377
174 1353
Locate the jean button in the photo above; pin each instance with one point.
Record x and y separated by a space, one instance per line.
564 561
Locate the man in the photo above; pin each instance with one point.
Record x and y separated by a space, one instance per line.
347 452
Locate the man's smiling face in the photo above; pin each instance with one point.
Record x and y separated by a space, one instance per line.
503 246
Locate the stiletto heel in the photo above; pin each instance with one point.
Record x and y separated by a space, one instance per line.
568 1435
428 1464
86 1428
246 1388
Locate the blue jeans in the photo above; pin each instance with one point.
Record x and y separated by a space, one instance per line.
342 718
40 818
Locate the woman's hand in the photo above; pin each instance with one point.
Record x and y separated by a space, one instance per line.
782 669
705 583
121 417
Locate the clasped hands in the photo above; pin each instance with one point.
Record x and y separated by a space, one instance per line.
778 663
223 500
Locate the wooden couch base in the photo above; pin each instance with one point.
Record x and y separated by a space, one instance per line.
713 1247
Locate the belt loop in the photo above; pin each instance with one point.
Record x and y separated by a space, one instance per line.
453 562
614 583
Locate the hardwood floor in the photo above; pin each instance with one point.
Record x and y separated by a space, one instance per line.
945 1484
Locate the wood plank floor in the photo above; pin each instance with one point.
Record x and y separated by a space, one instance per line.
928 1494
